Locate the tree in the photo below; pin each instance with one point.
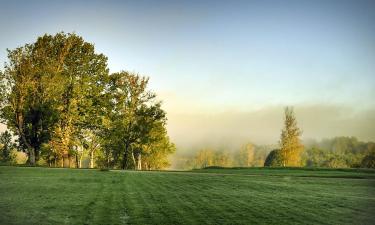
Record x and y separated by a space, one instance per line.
335 161
274 158
315 156
204 158
290 143
59 99
27 101
368 161
133 113
6 147
246 155
222 158
338 152
51 89
156 151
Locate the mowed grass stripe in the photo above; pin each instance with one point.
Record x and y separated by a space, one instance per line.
69 196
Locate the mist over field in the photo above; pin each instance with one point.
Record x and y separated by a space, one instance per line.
231 129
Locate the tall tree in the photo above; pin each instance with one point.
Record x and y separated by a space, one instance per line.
51 89
133 114
28 97
290 143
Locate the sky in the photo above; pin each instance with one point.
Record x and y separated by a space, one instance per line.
226 69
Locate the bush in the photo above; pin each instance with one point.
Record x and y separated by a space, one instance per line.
273 158
368 161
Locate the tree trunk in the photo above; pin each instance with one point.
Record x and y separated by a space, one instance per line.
78 162
134 163
125 158
32 156
139 161
107 162
36 152
92 159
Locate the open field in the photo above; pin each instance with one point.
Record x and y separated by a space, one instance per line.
359 173
210 196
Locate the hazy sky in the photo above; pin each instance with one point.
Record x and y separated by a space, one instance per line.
226 69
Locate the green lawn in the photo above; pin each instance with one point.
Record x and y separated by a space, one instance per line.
210 196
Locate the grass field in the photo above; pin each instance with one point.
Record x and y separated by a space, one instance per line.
209 196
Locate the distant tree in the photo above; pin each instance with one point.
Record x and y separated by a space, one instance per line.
246 156
335 161
208 157
261 152
369 161
274 158
290 143
223 159
315 157
204 158
337 152
7 147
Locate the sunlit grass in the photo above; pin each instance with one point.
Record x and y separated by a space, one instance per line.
71 196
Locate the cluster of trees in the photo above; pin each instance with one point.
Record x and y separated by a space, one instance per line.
247 155
289 154
63 105
338 152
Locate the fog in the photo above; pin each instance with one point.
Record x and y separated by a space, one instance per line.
230 129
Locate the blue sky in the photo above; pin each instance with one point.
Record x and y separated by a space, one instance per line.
224 57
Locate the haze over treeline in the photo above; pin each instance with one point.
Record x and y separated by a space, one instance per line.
233 128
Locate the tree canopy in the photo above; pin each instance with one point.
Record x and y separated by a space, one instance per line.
60 100
290 143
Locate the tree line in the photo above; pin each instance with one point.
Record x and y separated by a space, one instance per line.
338 152
62 105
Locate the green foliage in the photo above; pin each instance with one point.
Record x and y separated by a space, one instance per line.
58 97
135 121
315 157
208 157
246 155
290 144
338 152
50 87
7 148
156 150
369 161
274 158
